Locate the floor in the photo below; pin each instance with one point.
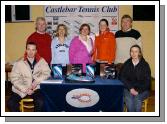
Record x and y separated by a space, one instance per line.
151 101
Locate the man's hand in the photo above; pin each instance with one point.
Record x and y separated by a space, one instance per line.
30 91
34 85
133 92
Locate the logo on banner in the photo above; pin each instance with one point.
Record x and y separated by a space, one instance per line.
114 21
82 98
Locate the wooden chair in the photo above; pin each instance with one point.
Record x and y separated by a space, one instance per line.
144 106
26 103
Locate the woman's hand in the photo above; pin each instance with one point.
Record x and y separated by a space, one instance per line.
133 92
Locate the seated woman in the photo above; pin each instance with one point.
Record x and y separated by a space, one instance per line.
81 47
136 76
60 47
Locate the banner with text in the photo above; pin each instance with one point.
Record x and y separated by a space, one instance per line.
74 16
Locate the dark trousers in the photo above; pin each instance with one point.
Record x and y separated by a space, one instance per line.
13 102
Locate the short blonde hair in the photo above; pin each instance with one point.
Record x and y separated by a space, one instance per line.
127 16
40 18
64 26
37 19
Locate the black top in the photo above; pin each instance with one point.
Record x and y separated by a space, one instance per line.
137 77
132 33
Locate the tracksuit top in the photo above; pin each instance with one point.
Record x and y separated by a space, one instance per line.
60 52
104 48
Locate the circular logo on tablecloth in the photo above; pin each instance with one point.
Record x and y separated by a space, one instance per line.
82 98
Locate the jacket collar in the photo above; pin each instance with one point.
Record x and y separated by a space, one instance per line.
141 61
105 32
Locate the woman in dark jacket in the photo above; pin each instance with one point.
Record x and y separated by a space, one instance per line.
136 76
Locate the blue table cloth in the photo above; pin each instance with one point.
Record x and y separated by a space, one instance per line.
108 92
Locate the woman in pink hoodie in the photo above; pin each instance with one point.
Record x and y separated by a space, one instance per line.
80 51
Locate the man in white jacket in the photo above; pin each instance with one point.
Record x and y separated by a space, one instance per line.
26 76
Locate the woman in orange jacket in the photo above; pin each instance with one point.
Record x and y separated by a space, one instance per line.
105 44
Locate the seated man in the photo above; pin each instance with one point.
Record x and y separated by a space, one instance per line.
26 76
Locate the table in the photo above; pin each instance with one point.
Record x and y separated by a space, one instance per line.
103 95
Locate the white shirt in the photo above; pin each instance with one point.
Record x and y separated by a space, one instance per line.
87 43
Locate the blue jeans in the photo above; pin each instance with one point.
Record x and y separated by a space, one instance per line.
134 103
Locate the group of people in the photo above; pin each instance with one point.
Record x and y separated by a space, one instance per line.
42 51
